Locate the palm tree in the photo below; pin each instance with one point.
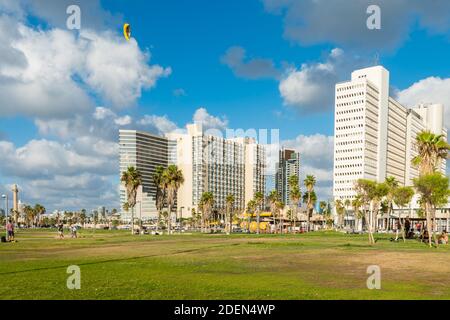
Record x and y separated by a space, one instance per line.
272 199
340 211
206 204
392 185
40 210
259 201
402 196
229 202
251 208
322 206
83 216
173 178
161 186
132 180
347 204
309 182
280 206
434 192
432 149
29 215
295 195
356 206
310 199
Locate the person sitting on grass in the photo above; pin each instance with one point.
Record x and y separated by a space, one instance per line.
10 230
61 231
443 238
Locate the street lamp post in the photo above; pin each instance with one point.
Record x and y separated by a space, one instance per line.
5 196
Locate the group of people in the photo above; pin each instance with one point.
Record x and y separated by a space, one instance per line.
411 231
73 231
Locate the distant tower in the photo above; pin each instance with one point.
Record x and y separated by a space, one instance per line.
15 191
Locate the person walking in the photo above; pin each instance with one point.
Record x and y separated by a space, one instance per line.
73 230
61 231
10 231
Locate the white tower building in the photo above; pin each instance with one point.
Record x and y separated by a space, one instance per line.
374 134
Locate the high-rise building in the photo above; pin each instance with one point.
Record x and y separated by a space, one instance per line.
288 165
145 152
218 165
374 134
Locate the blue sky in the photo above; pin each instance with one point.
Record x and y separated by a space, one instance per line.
238 64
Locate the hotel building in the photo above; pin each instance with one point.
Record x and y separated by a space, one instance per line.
374 134
145 152
288 165
214 164
209 163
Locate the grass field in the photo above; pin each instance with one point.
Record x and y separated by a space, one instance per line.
321 265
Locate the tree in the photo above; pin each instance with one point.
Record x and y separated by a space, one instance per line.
356 206
434 192
83 216
272 198
40 210
392 185
30 214
309 182
365 190
322 206
173 178
310 199
432 149
347 205
132 180
206 204
229 202
402 196
259 201
251 208
295 195
280 207
161 186
340 211
381 190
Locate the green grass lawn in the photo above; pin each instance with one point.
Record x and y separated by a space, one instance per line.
321 265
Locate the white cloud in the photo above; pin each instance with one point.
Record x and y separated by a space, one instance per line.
429 90
43 158
208 121
72 192
311 88
316 158
118 69
343 22
157 124
54 73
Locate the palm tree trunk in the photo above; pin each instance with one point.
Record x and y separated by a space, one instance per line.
436 241
169 220
257 221
158 221
428 214
132 221
295 216
281 224
308 228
